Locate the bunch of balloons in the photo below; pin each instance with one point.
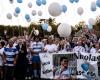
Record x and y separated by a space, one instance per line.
40 2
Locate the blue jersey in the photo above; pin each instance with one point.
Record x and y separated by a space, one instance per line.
10 54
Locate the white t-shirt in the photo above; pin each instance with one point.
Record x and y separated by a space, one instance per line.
1 53
50 48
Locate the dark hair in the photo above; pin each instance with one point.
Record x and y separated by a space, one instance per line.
62 58
2 43
37 37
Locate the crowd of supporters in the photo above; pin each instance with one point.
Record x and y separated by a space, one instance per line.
19 56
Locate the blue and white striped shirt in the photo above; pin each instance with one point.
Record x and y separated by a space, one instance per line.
37 47
10 54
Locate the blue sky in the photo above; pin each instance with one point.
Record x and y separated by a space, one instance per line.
71 17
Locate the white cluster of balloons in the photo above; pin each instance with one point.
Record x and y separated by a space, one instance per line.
64 30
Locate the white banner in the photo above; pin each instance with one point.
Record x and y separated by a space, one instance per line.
46 65
80 65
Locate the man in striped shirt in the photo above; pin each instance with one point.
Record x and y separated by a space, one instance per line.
10 57
36 48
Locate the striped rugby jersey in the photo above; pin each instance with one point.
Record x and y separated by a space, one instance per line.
37 47
10 54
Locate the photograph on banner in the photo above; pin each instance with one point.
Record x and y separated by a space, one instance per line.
65 66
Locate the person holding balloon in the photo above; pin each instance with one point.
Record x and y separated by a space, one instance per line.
36 48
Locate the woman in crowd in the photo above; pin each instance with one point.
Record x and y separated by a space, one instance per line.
79 48
50 47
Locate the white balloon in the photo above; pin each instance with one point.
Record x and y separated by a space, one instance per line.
80 10
9 16
30 5
39 13
49 29
55 9
91 21
33 12
64 30
36 32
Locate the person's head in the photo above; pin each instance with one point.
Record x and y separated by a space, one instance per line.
79 43
49 40
10 42
20 41
62 42
2 44
64 61
36 38
84 40
56 41
75 39
97 45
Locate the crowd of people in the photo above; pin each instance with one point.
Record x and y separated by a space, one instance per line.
19 56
